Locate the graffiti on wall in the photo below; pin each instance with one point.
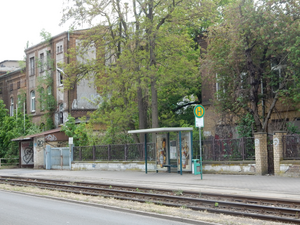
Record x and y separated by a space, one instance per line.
40 143
27 152
50 137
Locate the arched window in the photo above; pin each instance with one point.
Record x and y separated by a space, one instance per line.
11 106
32 101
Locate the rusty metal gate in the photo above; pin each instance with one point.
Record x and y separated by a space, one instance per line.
270 154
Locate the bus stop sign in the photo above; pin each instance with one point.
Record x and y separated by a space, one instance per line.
199 111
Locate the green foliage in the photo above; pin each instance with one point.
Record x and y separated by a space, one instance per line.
151 62
12 127
292 128
244 127
254 46
112 135
77 131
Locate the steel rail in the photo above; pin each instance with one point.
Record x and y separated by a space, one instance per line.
286 203
249 210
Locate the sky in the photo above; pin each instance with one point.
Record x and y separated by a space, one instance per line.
23 20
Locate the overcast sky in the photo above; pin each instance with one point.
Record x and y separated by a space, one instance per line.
23 20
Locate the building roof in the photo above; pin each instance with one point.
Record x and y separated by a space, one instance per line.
29 137
163 129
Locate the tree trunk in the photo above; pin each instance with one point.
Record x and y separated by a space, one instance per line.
142 107
154 105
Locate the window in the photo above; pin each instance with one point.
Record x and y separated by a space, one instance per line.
60 78
49 61
11 106
19 102
49 92
61 113
25 103
18 84
220 87
1 88
61 48
32 67
42 62
11 87
42 99
278 72
57 51
32 101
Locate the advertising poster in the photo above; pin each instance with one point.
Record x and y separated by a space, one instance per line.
27 153
186 152
161 150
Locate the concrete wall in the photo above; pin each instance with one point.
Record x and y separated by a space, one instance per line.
289 168
38 149
114 166
230 167
208 167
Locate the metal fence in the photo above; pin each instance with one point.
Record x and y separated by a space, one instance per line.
127 152
238 149
9 162
291 147
213 150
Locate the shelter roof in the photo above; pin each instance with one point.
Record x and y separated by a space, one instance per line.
29 137
163 129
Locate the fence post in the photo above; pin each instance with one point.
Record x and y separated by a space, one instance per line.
108 153
243 148
94 153
213 148
278 150
80 154
125 151
261 153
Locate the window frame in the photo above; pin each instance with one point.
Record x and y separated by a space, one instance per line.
11 107
42 59
31 66
32 101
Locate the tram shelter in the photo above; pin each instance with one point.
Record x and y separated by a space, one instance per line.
179 156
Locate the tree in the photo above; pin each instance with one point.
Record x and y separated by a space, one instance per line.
12 127
77 131
253 56
143 49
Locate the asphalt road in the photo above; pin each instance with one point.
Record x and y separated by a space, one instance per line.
17 209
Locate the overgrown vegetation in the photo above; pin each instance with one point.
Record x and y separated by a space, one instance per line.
12 127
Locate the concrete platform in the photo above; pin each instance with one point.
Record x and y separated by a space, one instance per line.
250 185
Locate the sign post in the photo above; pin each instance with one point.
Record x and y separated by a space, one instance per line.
199 112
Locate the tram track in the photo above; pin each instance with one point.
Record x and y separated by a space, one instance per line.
261 208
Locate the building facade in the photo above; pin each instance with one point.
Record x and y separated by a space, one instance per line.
39 87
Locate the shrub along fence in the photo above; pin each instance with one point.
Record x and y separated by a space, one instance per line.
9 162
213 150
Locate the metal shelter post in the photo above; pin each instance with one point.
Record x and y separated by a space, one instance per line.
180 152
168 141
192 153
146 153
200 152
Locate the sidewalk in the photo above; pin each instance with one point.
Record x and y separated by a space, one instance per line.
266 186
